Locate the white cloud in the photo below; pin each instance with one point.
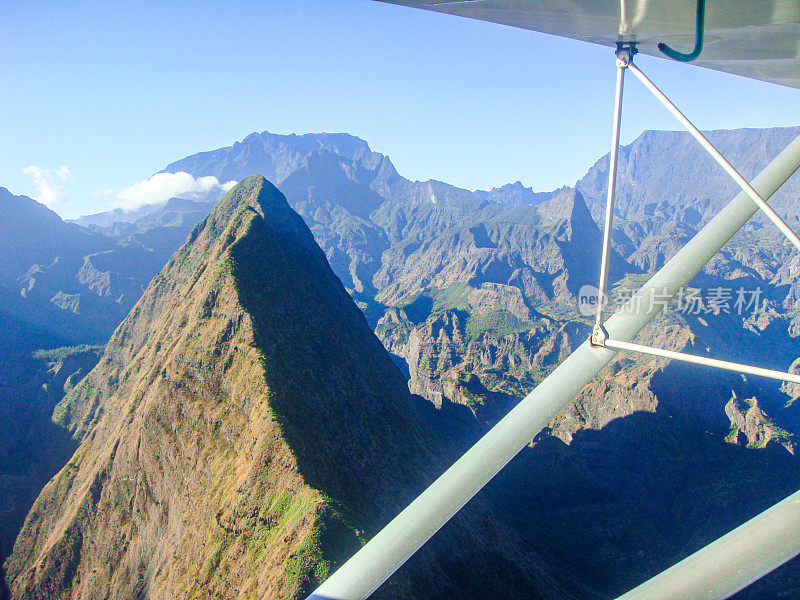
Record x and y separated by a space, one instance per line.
163 186
51 185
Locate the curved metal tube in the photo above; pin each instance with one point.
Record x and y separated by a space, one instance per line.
698 38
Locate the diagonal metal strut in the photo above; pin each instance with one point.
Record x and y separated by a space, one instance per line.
406 533
702 360
623 58
732 562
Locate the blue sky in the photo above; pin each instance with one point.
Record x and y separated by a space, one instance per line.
114 91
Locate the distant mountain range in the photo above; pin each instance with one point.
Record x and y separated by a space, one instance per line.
175 212
667 187
473 294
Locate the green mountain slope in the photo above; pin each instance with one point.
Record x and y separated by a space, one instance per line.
242 434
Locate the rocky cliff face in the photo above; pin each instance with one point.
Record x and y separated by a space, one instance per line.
479 314
667 187
32 448
60 285
74 283
271 155
663 169
242 434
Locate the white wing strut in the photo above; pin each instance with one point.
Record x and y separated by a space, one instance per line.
733 562
406 533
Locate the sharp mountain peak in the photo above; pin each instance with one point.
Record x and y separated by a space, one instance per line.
242 432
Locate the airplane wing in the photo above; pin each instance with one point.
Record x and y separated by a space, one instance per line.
759 39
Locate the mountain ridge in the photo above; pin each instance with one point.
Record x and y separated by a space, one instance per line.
242 433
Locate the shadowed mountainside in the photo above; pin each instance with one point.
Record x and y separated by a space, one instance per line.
243 432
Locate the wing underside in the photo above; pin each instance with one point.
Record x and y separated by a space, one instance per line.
755 39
